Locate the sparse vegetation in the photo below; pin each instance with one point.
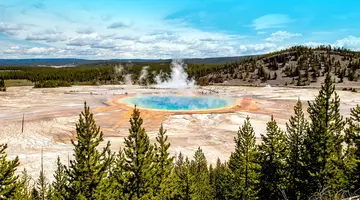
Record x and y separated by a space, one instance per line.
298 63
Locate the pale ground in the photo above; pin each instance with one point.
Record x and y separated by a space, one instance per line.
51 114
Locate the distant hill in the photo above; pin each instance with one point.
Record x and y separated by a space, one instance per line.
75 61
296 66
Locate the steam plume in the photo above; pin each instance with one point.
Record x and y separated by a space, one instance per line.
143 75
179 78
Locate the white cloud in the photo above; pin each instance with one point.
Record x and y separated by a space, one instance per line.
350 42
85 39
257 48
96 46
12 49
47 36
10 29
280 36
39 51
118 25
90 35
149 37
125 37
105 44
314 44
158 37
87 30
271 21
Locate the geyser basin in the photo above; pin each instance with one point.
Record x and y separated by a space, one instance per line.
179 103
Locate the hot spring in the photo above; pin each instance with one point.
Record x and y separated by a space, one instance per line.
179 103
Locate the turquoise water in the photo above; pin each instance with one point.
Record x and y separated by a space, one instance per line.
178 102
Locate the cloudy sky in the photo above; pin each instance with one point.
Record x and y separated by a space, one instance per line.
94 29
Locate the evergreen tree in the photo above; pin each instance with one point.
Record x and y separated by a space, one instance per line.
35 194
58 186
23 189
119 175
2 83
243 163
42 185
211 180
273 168
8 179
163 164
181 182
107 189
221 177
49 192
352 138
323 142
296 130
90 165
200 180
138 154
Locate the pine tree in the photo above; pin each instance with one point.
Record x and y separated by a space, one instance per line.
42 185
118 173
23 189
273 168
58 186
243 163
352 138
138 154
90 165
8 179
323 142
2 85
221 181
200 179
181 182
107 189
35 194
212 180
296 130
163 164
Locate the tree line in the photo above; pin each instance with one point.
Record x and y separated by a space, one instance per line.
302 64
312 159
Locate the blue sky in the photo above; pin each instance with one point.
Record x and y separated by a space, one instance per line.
172 29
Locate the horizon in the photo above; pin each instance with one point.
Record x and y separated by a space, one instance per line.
99 59
159 29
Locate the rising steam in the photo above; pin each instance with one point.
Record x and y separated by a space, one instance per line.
143 75
179 78
128 79
119 71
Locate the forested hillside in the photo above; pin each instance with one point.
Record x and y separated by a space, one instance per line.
297 66
312 159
